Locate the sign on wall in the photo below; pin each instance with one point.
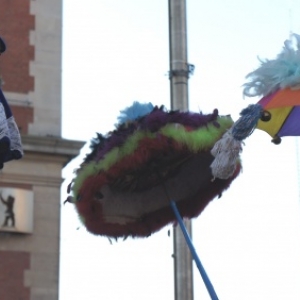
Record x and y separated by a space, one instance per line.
16 210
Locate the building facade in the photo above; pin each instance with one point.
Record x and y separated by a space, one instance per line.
30 71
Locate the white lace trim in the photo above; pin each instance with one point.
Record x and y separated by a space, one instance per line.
14 134
4 131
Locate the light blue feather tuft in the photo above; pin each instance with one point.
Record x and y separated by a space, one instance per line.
135 111
282 72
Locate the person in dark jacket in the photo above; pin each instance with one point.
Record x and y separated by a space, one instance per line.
10 139
2 46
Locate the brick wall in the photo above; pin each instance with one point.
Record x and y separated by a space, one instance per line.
15 26
24 116
12 266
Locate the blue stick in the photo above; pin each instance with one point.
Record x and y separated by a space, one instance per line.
205 278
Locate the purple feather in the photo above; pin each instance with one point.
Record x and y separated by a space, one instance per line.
155 120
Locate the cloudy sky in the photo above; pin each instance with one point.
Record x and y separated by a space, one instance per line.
116 52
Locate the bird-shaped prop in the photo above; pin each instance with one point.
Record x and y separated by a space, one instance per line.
124 186
158 166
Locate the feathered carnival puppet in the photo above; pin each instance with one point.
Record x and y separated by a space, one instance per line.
125 185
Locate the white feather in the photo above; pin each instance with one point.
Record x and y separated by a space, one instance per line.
282 72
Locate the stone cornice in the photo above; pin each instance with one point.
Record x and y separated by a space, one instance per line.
31 180
57 148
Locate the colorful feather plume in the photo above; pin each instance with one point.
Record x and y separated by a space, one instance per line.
125 185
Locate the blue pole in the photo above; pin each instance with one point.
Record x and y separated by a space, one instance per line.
205 278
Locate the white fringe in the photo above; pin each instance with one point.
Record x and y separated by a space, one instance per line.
226 152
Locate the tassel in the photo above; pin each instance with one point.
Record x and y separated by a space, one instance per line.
226 152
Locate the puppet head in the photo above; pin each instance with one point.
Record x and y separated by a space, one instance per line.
277 81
